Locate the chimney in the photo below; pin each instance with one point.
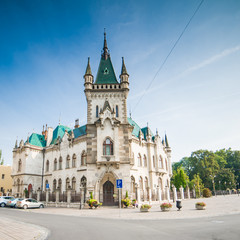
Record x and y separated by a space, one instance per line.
46 133
76 123
49 136
43 132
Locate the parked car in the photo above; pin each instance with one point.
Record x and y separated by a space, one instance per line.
29 203
13 202
4 199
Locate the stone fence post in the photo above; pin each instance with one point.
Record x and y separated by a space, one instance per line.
174 193
47 195
159 194
167 193
181 192
138 194
188 192
69 191
57 195
38 194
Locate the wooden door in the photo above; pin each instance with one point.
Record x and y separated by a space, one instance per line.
108 191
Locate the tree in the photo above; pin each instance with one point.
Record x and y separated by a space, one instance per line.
1 159
225 175
180 178
197 184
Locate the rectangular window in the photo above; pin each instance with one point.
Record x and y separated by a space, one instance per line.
3 175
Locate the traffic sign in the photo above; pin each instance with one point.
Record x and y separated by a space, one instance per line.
119 183
47 186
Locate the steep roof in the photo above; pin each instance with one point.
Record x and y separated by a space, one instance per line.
59 132
145 132
80 131
37 140
136 129
106 74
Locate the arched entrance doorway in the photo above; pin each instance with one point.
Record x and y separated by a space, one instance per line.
108 191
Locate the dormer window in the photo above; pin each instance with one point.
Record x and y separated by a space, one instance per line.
107 147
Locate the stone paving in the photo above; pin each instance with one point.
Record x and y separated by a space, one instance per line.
15 230
216 206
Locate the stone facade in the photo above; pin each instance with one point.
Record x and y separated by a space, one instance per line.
92 157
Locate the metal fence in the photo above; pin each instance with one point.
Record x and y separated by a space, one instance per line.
43 196
75 197
63 197
52 197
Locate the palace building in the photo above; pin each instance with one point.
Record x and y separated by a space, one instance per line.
92 157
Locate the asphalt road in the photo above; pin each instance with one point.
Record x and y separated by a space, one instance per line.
84 228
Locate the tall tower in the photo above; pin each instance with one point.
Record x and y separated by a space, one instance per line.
106 88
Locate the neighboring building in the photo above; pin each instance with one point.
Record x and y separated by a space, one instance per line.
5 180
110 146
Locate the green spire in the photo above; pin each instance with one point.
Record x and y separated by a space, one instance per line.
88 69
166 140
124 69
106 74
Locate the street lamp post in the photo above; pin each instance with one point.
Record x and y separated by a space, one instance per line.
225 186
238 188
219 186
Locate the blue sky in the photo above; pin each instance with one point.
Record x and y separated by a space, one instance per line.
195 98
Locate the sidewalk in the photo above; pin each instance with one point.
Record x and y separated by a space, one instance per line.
216 206
15 230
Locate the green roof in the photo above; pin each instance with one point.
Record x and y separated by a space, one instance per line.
37 140
106 74
59 131
80 131
136 129
145 132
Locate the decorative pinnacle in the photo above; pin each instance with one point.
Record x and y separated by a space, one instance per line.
105 48
124 69
88 69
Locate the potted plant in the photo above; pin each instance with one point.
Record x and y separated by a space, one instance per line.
93 203
200 205
126 202
165 206
134 203
145 208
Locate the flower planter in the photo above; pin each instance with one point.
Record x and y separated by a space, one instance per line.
198 207
165 209
144 210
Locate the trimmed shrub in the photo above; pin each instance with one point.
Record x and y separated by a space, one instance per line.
207 193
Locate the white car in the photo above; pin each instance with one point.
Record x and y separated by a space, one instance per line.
29 203
4 199
12 202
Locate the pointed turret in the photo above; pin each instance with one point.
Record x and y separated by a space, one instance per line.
124 75
105 53
106 74
16 144
88 76
166 141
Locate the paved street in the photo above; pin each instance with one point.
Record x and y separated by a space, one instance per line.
75 224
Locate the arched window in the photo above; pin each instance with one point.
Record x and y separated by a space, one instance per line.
74 159
160 183
20 165
133 189
107 147
55 164
117 114
141 183
160 163
145 160
60 163
146 183
54 185
97 111
73 183
47 166
60 184
83 182
153 159
139 160
67 183
68 162
166 164
84 158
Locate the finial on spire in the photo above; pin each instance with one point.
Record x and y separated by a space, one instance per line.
105 48
124 69
166 140
88 69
